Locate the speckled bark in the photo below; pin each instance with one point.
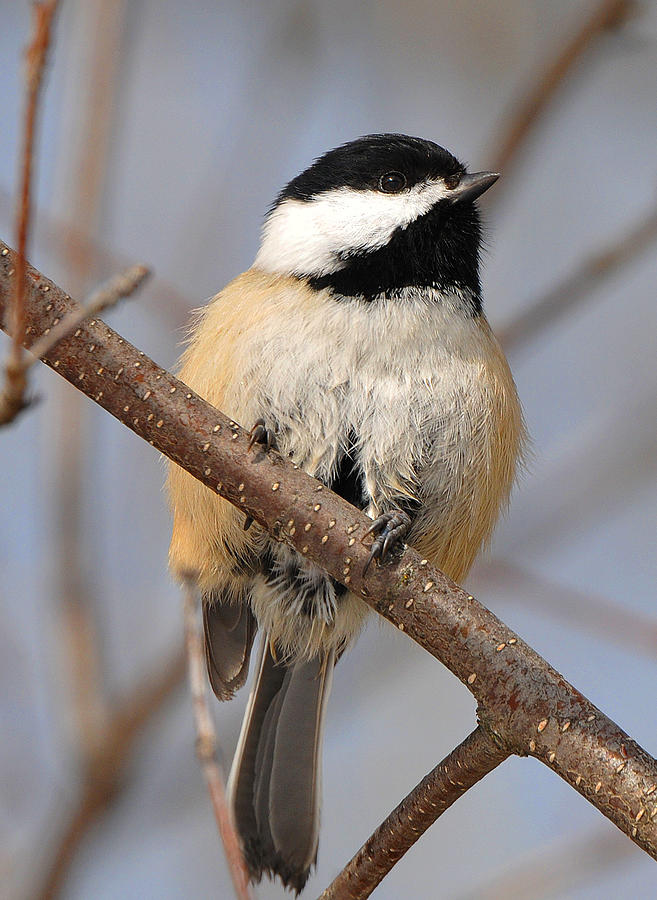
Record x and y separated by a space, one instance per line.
527 706
464 767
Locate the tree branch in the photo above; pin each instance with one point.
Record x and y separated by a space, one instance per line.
475 757
524 703
206 739
12 399
103 298
105 776
514 132
580 284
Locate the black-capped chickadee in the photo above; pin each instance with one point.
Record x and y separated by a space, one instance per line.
358 343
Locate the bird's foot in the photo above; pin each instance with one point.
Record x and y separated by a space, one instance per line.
389 529
262 435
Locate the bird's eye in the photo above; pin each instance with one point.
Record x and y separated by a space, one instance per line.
452 181
392 182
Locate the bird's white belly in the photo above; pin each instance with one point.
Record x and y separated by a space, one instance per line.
399 385
402 386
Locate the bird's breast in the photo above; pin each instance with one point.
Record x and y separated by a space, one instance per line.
406 398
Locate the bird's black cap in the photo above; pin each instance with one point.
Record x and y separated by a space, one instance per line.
359 164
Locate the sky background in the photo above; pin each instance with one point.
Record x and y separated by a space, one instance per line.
167 130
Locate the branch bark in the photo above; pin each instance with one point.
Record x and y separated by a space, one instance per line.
528 707
475 757
103 298
12 395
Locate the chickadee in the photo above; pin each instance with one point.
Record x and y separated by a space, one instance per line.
358 344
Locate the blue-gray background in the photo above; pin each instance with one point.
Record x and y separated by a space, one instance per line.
198 115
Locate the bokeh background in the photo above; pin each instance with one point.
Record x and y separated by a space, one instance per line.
167 129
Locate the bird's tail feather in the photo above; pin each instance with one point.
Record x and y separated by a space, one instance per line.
275 779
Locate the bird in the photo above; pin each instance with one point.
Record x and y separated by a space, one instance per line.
355 345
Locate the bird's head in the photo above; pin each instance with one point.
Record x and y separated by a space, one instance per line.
377 215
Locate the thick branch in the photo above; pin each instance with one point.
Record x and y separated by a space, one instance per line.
523 702
103 298
464 767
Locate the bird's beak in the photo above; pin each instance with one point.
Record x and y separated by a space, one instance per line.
472 186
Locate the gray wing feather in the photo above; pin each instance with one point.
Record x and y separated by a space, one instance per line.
229 631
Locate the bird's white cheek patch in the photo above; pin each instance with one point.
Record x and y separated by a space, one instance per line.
313 237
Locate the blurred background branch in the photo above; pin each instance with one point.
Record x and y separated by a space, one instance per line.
206 739
101 784
521 120
559 868
582 283
12 399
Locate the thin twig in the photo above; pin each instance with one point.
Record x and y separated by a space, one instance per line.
61 240
105 778
528 110
467 764
103 298
12 395
206 740
579 285
528 707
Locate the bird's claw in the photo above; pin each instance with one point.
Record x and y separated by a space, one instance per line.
264 436
260 434
389 529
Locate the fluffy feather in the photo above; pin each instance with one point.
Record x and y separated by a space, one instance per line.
425 388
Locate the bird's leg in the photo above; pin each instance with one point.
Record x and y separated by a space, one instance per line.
264 436
389 529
